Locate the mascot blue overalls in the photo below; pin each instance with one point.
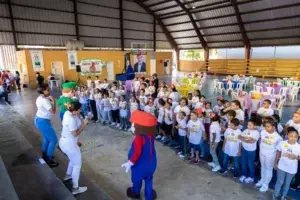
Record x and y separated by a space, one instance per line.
142 155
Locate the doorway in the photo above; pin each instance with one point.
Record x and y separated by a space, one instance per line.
57 69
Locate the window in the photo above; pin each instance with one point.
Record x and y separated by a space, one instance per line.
195 54
230 53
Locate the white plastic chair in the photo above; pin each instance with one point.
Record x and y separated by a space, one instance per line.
267 84
214 85
239 87
220 87
296 83
254 106
294 93
229 88
270 90
282 93
247 81
234 95
279 108
258 88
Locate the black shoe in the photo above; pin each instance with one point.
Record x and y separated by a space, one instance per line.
131 195
295 186
154 194
52 164
222 171
235 175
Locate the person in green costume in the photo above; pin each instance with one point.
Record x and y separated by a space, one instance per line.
68 93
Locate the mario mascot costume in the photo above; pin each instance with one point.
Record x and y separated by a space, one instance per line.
142 155
68 90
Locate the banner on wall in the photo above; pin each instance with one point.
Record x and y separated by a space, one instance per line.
37 60
140 63
72 59
91 67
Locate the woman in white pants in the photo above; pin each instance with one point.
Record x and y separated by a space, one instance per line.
72 127
269 139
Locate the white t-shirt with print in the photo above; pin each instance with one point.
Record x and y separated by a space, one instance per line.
240 115
217 109
174 96
268 142
254 134
43 105
232 141
168 120
286 164
207 115
161 112
114 103
133 106
97 83
123 104
291 123
105 104
150 109
182 125
198 105
265 112
196 130
89 83
215 128
195 100
70 124
185 109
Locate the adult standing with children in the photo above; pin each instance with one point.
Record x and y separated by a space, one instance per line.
69 144
46 107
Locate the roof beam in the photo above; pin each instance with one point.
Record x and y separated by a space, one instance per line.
76 19
200 36
12 23
121 24
240 22
165 30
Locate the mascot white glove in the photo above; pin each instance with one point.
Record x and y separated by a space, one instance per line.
127 166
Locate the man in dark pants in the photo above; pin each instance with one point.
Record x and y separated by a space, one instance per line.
39 79
3 92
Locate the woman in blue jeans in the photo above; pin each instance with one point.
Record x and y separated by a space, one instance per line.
286 163
46 106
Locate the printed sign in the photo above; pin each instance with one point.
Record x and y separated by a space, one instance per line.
91 67
37 61
72 59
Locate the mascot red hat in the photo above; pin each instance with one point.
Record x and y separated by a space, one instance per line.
142 155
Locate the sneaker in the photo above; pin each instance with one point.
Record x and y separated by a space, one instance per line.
196 162
201 156
283 198
121 127
67 177
163 138
181 156
177 147
259 184
113 124
242 179
249 180
211 164
118 125
274 198
294 186
263 188
216 168
222 171
79 190
235 175
179 153
52 164
158 137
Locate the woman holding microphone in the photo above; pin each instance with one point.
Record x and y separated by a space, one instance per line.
69 144
46 106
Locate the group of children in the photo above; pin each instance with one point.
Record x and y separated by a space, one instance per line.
197 130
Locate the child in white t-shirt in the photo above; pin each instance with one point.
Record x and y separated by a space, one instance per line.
240 114
143 99
167 125
269 139
105 108
163 94
97 82
195 131
150 108
134 103
182 107
123 113
295 122
286 163
98 97
136 86
160 117
219 106
114 102
249 139
196 98
200 113
215 138
232 147
182 130
206 112
83 99
89 82
266 110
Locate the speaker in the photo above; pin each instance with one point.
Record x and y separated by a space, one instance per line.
78 68
166 64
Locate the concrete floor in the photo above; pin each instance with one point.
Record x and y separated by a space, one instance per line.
106 149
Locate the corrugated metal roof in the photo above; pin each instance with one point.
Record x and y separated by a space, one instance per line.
184 34
93 10
273 24
218 30
161 36
187 40
165 5
34 39
5 24
291 41
4 10
55 4
179 19
138 25
127 5
163 45
6 38
111 3
98 32
215 22
128 42
181 27
168 10
137 16
226 44
138 35
224 37
277 33
98 21
101 42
